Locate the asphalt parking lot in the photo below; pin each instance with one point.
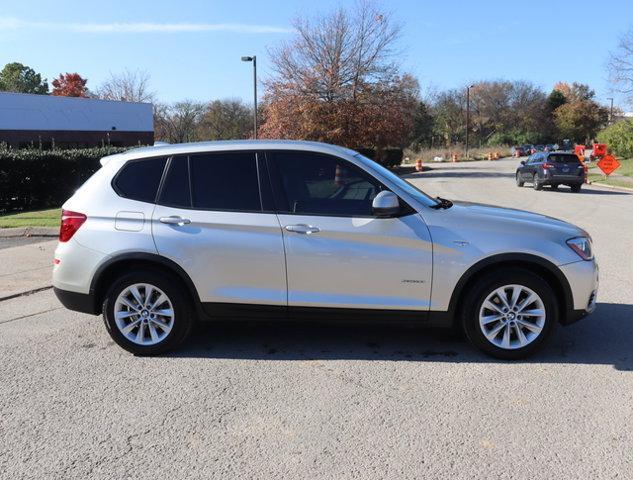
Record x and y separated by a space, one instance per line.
280 401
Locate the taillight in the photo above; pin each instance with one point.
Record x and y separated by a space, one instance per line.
547 166
71 221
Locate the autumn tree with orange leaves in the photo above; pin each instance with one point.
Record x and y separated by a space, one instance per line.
70 85
337 82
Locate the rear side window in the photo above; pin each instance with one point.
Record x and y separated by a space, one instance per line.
139 179
563 158
225 181
176 190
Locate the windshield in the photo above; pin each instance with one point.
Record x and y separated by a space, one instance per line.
403 184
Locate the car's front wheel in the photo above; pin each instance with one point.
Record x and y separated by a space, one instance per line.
510 313
576 188
147 312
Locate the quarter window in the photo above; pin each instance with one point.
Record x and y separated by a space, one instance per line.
316 184
225 181
139 179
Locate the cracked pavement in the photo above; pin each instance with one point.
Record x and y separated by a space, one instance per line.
280 401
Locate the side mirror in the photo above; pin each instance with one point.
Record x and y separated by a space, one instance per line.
385 204
522 162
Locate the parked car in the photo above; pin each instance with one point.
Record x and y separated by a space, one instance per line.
161 237
553 169
529 149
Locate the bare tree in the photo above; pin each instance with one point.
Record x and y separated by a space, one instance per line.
179 122
129 86
337 81
620 65
334 56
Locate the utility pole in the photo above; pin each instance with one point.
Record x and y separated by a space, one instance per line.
467 115
610 111
254 60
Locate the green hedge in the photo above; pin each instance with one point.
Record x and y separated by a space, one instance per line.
619 138
388 157
35 179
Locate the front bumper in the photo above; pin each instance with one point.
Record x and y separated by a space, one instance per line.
583 278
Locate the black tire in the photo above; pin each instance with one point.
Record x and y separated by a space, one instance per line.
554 186
576 188
520 182
535 183
475 298
180 302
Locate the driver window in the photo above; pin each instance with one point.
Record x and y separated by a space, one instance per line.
316 184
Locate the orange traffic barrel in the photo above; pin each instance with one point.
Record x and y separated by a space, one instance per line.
418 165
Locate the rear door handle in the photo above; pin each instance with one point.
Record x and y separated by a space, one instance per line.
175 220
303 228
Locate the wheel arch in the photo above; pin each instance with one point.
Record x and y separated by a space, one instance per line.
126 262
544 268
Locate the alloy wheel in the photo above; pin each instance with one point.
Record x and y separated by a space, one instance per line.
144 314
512 316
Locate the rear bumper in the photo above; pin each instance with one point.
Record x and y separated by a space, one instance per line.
79 302
564 179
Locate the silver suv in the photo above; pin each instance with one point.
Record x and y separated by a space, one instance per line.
161 237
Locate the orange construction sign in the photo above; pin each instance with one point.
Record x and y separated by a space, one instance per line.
608 164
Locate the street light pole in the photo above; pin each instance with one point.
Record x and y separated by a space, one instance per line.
467 115
254 60
610 111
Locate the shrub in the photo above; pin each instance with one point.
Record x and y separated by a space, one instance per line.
619 138
35 179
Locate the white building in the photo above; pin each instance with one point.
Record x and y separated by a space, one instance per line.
48 120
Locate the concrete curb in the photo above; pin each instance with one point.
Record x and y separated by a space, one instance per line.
613 187
29 232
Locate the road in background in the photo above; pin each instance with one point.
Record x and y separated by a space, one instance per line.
289 402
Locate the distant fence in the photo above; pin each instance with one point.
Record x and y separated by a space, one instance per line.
35 179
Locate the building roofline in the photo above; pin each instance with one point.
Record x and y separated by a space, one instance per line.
48 95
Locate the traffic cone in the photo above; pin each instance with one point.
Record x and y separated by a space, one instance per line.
338 176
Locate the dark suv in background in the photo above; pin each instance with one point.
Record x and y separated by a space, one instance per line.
553 169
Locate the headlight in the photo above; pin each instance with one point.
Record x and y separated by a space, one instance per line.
582 246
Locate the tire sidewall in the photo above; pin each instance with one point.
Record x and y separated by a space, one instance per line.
536 183
487 285
171 288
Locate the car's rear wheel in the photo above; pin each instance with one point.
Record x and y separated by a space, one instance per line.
576 188
554 186
536 183
509 314
147 312
520 182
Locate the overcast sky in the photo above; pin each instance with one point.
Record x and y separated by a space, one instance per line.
192 49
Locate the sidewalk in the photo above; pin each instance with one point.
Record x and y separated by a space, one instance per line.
29 232
25 268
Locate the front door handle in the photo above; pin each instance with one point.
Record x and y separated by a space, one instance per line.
175 220
303 228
